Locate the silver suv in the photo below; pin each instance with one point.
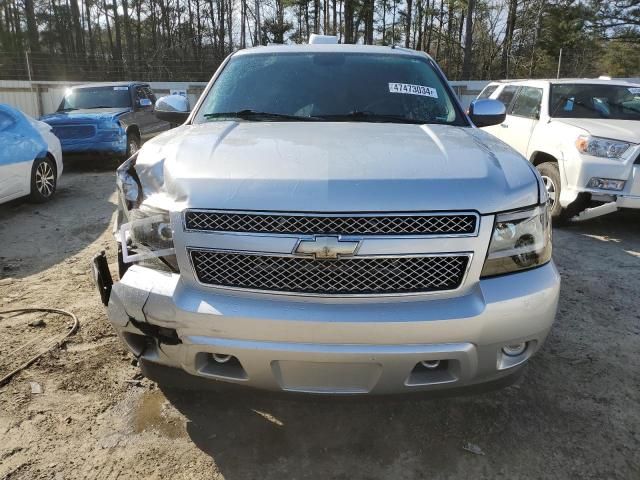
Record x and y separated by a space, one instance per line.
328 220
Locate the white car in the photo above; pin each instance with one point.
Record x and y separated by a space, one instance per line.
582 135
30 157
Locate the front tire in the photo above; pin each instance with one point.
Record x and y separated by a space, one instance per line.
43 180
133 144
551 177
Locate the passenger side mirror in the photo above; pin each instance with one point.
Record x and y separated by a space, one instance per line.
487 112
173 109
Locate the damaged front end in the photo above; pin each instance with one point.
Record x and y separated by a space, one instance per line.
142 228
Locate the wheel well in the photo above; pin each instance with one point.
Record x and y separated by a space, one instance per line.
133 129
541 157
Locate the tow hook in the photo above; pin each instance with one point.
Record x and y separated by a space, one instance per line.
102 276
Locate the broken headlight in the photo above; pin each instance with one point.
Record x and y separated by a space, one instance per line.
520 240
147 238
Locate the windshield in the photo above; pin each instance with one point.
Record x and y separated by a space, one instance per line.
330 86
96 97
577 100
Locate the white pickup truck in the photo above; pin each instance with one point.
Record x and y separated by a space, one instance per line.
582 135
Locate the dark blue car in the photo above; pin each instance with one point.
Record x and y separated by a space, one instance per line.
108 118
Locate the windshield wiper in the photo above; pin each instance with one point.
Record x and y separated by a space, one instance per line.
364 116
258 116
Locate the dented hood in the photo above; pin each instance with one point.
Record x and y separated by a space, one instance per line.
333 167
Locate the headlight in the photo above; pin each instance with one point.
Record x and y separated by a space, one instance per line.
601 147
148 238
109 124
520 240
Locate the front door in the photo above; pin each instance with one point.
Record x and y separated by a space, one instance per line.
505 96
522 118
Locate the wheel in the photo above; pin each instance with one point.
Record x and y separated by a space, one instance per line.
43 180
551 178
133 144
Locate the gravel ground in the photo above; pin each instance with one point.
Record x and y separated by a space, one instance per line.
575 413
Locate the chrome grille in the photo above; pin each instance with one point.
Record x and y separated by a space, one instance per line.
346 276
308 224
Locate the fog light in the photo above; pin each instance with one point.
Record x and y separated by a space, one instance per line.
606 184
430 364
514 349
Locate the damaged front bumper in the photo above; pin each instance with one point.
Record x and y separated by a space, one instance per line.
608 201
334 348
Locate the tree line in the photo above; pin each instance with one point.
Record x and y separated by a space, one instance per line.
185 40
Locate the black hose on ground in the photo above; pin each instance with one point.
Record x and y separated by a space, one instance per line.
58 343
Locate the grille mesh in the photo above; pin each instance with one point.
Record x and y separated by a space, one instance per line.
74 131
368 275
342 225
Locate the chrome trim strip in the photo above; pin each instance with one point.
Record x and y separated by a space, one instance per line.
336 215
463 281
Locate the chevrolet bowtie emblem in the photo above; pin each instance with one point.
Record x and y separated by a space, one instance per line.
326 248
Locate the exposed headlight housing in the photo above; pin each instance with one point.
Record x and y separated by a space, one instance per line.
521 240
601 147
148 238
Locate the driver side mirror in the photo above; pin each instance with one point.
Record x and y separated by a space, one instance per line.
173 109
487 112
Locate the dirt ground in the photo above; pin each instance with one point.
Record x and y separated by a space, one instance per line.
575 413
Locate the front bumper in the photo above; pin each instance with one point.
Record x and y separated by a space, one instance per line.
325 346
578 172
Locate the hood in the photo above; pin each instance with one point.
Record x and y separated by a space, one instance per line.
84 115
625 130
334 167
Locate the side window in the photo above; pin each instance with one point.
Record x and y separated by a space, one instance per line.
507 94
6 121
527 103
488 90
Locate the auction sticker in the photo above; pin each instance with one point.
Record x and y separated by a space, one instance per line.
121 88
634 90
409 89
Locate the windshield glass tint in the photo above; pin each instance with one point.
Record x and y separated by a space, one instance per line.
331 84
96 97
615 102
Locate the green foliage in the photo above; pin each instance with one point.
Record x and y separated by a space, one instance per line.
187 39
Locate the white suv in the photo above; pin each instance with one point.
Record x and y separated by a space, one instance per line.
582 135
